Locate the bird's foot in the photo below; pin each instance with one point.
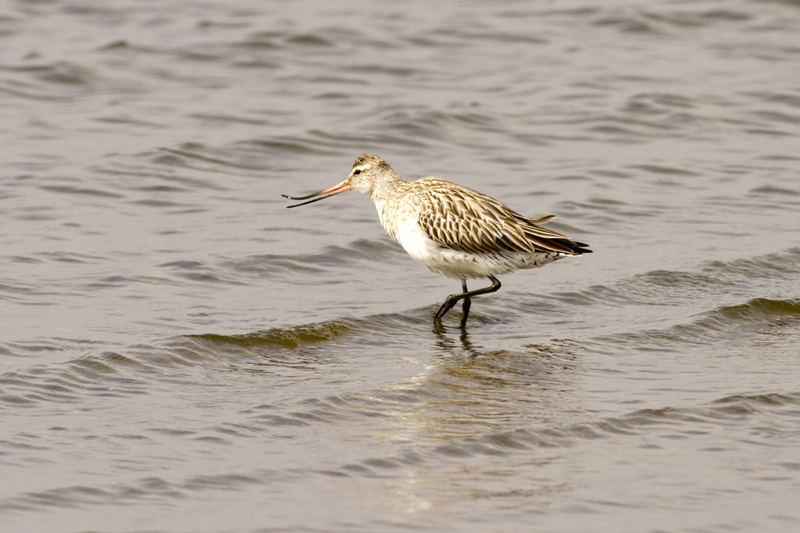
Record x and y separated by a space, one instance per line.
448 304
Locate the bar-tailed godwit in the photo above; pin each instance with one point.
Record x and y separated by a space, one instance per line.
452 230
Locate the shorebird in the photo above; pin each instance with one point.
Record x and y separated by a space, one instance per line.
452 230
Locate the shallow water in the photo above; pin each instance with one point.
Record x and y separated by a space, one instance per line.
178 352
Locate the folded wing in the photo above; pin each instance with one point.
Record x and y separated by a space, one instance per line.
468 221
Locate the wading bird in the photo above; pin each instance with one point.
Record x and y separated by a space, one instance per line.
452 230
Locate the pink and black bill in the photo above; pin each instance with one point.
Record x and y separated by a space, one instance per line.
321 195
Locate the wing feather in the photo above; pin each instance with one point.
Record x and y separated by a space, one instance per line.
468 221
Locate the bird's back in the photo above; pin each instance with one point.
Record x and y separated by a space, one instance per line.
465 220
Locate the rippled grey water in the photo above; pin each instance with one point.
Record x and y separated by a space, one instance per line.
178 352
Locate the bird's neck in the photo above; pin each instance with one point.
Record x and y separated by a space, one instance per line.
386 188
385 195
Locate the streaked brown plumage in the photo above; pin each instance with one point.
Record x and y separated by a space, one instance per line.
453 230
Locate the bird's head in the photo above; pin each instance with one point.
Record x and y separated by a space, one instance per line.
366 173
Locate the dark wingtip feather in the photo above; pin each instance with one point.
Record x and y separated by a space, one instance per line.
581 248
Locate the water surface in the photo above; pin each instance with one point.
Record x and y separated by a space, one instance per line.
180 353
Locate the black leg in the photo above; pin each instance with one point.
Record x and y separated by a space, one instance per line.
453 299
465 305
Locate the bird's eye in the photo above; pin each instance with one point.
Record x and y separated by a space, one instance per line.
357 172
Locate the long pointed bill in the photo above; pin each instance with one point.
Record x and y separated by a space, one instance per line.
321 195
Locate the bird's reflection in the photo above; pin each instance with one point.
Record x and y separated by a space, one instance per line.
448 343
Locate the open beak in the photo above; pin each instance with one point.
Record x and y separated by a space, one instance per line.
321 195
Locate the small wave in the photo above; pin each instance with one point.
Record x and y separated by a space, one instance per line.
251 154
688 19
295 267
200 272
773 97
772 266
60 72
384 69
60 81
201 156
69 382
269 40
757 310
627 23
265 342
648 288
738 409
141 176
223 118
289 146
28 349
769 189
669 21
658 103
149 489
660 169
283 337
436 124
72 257
68 189
755 315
